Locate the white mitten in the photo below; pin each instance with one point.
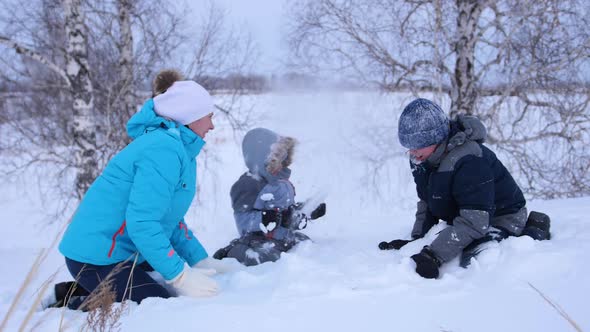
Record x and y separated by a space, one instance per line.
195 282
220 266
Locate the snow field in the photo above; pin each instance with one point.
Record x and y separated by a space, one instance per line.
341 281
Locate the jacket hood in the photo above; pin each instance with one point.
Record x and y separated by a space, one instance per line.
464 128
146 120
266 153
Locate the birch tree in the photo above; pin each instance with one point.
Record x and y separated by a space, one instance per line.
78 73
126 60
75 74
463 91
77 70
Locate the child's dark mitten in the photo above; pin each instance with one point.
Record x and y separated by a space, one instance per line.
426 263
320 211
395 244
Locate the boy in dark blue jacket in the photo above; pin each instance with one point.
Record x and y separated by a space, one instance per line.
461 181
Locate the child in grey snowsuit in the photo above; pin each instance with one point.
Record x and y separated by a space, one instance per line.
461 181
263 199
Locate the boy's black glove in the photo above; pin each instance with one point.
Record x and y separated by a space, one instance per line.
395 244
320 211
273 218
290 218
426 263
295 219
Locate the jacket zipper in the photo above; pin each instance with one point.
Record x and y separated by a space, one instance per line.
120 231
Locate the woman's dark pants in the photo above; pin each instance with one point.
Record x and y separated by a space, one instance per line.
128 282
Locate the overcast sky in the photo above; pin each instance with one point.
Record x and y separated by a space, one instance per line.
264 19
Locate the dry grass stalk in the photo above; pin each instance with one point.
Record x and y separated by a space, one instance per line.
28 279
557 308
32 272
68 298
129 285
33 307
101 316
99 304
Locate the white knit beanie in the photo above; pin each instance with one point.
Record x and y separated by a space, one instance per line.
184 102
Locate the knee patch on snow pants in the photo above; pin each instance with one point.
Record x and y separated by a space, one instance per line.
472 225
255 252
512 223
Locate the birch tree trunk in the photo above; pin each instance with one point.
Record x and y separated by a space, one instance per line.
463 93
126 60
77 70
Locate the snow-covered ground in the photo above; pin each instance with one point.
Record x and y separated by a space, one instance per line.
340 281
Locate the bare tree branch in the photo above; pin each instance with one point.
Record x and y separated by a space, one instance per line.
521 66
35 56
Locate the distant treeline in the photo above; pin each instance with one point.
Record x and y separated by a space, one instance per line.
259 83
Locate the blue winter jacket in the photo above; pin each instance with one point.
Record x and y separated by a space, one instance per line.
138 203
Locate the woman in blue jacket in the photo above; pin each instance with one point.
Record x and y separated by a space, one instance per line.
134 211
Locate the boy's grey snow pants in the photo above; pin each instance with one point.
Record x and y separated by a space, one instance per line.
471 225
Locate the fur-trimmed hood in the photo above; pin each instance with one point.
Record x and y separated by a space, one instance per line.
268 154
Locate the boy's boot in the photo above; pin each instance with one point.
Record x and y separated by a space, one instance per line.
537 226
